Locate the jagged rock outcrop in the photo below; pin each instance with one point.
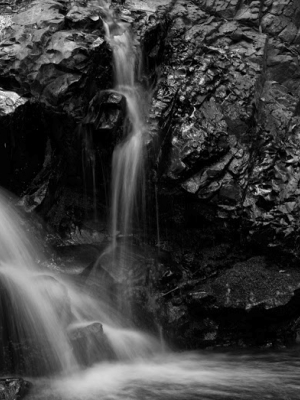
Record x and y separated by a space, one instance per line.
229 93
227 166
53 62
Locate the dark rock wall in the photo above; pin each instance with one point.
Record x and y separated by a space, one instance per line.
229 93
54 56
226 172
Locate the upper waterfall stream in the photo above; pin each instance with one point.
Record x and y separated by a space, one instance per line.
128 157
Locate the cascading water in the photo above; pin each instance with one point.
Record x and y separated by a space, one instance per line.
48 325
128 157
27 312
50 312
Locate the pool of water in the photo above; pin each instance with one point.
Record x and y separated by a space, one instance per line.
181 376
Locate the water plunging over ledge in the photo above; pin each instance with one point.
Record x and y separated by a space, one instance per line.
48 324
128 182
46 314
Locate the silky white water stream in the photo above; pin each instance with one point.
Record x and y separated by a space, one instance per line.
45 309
128 156
183 376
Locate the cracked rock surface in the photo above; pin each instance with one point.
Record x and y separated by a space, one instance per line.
227 171
228 102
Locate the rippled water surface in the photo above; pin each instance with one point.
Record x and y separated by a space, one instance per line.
183 376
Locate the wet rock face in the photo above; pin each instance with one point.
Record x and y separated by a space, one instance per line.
227 103
211 79
43 56
53 61
227 173
253 303
13 388
59 118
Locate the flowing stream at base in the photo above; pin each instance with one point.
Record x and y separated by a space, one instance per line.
183 376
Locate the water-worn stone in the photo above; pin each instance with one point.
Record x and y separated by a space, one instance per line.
13 388
89 343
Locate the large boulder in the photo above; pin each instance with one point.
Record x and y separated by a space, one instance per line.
90 343
253 303
224 127
227 106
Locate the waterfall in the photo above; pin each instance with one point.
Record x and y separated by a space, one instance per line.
128 157
29 300
48 325
127 188
48 310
